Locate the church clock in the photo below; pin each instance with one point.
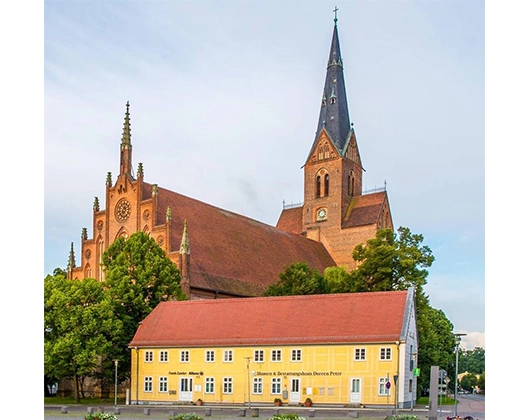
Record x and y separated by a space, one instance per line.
123 210
322 214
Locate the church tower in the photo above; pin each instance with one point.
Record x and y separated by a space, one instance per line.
335 212
333 170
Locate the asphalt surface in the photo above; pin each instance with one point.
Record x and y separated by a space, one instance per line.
469 405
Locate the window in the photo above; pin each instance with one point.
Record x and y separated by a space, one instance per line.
276 356
184 356
258 355
209 385
318 187
228 356
296 355
148 384
227 385
385 354
360 354
148 356
383 390
162 384
326 185
163 356
210 355
257 387
276 386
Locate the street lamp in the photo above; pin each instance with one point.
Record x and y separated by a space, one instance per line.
248 379
115 383
457 340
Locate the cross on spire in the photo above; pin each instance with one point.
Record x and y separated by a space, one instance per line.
335 10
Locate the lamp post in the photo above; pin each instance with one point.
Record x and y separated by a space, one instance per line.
115 383
248 379
457 340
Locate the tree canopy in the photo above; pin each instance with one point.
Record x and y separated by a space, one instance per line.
390 261
79 327
89 324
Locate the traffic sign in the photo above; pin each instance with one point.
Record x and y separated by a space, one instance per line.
387 385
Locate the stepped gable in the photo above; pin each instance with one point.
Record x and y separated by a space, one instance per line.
231 252
355 317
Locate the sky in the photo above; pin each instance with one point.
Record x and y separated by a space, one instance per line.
224 100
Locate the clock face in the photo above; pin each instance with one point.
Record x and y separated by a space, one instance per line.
321 214
123 210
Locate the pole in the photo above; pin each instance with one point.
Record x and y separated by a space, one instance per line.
248 379
137 360
115 383
457 339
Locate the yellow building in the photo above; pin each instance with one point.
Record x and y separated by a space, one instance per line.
348 349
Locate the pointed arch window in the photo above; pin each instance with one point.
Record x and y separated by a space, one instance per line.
351 184
318 186
326 185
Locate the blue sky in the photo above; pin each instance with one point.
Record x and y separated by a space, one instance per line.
224 105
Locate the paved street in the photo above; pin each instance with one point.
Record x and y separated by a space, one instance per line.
469 405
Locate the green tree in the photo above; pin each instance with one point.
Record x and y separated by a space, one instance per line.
298 279
473 361
138 276
391 261
79 327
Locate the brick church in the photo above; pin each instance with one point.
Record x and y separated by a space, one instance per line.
223 254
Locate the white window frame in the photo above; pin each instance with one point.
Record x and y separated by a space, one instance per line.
383 390
148 356
162 384
385 353
359 354
209 356
185 356
148 384
257 386
259 356
276 386
276 355
228 356
163 356
209 385
296 355
228 385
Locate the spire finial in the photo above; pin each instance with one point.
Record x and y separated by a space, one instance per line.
126 136
335 10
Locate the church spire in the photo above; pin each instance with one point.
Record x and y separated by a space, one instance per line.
334 115
126 145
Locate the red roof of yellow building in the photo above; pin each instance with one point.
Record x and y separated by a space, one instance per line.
370 317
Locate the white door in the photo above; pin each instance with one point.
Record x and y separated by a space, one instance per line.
294 395
186 389
355 391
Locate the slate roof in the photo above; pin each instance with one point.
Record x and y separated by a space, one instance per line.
233 253
372 317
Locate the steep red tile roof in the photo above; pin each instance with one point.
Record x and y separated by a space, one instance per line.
233 253
290 220
312 319
365 209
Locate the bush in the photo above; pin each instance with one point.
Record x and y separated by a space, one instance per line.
402 417
100 416
186 416
290 416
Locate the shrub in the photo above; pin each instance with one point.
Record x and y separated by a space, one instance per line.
290 416
100 416
402 417
186 416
